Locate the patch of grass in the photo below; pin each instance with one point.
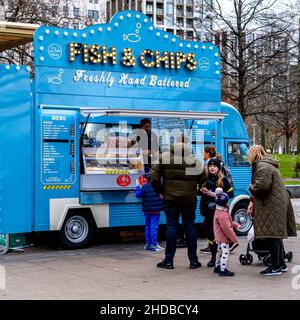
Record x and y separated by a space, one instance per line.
298 226
289 183
286 164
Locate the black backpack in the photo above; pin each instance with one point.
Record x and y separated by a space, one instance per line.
226 172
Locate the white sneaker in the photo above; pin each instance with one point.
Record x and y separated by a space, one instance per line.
156 248
159 248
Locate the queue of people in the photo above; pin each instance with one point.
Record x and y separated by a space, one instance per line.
178 177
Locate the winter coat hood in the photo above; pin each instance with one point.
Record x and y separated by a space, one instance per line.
270 160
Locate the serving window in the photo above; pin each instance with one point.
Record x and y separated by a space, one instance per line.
111 158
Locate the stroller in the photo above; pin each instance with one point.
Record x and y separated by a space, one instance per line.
259 246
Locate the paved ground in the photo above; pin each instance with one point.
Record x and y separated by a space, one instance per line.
125 271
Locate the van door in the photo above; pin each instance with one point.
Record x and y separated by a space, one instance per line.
236 159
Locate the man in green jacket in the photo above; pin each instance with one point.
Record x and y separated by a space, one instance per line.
175 178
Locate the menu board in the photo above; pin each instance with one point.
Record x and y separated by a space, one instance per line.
58 148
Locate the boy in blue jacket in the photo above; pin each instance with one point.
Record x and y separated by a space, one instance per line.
152 204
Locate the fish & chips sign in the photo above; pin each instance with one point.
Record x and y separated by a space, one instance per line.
149 59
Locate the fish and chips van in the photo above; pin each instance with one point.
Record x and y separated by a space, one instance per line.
68 162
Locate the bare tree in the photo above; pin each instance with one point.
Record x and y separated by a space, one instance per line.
43 12
298 83
247 48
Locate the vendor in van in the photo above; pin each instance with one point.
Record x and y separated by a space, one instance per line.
148 142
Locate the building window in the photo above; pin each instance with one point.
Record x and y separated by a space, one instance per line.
189 23
170 31
66 11
149 7
160 9
76 12
169 21
150 16
10 6
179 12
180 34
65 24
190 35
76 25
10 53
170 8
93 14
54 11
159 20
189 12
179 22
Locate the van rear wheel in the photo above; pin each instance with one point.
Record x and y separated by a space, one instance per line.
77 231
240 215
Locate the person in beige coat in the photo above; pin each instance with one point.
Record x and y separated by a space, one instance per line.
271 207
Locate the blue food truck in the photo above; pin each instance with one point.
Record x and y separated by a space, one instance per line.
58 166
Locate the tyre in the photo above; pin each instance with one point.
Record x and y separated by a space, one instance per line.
239 214
289 256
78 230
243 259
267 260
249 258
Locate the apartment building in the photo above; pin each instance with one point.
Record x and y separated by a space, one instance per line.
174 16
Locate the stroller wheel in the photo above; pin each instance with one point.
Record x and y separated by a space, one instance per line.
243 259
289 256
249 258
267 260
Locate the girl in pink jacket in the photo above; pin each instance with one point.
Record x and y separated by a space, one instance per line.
223 230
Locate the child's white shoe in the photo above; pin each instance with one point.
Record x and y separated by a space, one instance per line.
157 248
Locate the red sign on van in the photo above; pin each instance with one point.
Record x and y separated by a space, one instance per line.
123 180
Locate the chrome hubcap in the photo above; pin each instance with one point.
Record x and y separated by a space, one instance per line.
76 229
242 218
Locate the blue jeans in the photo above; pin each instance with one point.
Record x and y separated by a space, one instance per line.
173 210
151 228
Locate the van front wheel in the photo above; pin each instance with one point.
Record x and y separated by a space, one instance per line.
240 215
77 231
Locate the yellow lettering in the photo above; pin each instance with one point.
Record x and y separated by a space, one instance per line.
143 60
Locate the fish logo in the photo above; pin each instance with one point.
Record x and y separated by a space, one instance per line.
131 37
57 79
